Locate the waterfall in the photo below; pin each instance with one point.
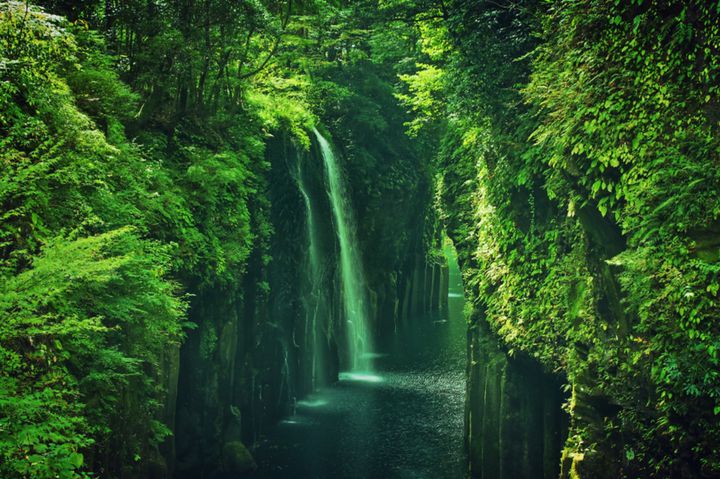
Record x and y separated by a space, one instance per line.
314 303
351 270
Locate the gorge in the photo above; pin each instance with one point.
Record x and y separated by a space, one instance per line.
359 239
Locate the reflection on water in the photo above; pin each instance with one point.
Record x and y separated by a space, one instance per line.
403 420
362 377
312 403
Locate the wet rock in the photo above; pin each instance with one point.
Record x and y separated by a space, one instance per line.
236 458
515 426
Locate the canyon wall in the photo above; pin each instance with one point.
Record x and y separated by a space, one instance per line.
262 345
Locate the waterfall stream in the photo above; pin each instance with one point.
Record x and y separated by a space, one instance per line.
351 269
314 304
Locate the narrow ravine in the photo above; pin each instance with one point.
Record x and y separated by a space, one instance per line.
222 229
405 420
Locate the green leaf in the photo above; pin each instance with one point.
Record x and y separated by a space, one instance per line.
76 459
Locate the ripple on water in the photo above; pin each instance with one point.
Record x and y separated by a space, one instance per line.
360 377
403 420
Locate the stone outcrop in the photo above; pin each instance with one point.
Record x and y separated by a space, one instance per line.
515 427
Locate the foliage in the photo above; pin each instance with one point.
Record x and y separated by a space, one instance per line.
87 310
83 329
635 130
575 173
572 146
133 168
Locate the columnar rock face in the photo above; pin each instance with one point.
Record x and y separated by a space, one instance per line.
250 356
424 290
261 345
515 423
515 426
589 235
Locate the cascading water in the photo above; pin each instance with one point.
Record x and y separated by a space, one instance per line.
315 275
351 270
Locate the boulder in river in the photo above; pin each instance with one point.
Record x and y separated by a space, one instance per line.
236 458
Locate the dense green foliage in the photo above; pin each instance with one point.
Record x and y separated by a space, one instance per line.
577 174
133 172
93 225
574 149
88 309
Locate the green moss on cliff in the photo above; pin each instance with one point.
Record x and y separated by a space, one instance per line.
577 176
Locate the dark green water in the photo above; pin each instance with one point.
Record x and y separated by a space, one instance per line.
403 420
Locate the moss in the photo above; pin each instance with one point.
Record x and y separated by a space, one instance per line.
208 340
236 458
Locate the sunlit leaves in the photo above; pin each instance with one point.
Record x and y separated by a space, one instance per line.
611 126
61 319
87 309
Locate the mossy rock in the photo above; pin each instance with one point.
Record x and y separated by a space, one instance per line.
589 465
236 458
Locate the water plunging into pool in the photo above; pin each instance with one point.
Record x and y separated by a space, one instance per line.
402 420
351 269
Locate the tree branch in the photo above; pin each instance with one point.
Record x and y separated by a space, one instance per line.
283 25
